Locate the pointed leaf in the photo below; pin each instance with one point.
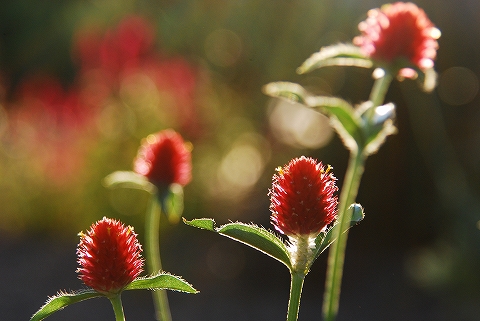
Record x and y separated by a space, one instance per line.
286 90
129 179
160 281
324 240
336 55
202 223
61 300
258 238
249 234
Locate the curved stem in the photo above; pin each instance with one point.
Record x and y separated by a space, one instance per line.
117 307
296 286
154 263
336 255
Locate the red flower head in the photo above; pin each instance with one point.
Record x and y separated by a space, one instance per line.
302 198
164 159
399 30
109 256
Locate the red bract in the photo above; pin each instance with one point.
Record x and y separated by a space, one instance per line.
302 198
109 256
164 159
399 30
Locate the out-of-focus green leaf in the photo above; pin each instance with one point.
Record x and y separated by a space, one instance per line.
343 117
251 235
61 300
129 179
286 90
378 127
336 55
162 280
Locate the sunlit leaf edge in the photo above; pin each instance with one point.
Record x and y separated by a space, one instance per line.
276 248
345 54
128 179
162 280
61 300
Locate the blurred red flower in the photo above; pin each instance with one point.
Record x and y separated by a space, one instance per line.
302 198
109 256
396 31
164 159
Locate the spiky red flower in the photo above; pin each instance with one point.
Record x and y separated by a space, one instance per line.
302 197
109 256
396 31
164 159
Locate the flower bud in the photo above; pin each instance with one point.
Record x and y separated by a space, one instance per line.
109 256
302 198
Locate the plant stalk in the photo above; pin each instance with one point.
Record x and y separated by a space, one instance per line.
117 307
295 294
154 263
336 255
356 164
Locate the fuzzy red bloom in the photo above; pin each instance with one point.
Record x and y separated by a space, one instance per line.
302 197
109 256
164 159
396 31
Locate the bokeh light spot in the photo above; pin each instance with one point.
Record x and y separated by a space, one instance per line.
458 86
299 126
223 47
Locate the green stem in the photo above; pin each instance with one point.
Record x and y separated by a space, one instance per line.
295 294
380 88
117 307
336 255
154 263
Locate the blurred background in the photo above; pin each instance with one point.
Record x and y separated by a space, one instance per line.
82 82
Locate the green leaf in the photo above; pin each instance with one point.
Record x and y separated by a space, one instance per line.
287 90
324 240
380 127
202 223
173 203
61 300
336 55
129 179
257 237
343 117
161 281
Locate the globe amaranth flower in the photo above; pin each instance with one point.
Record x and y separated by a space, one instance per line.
302 198
399 31
164 159
109 256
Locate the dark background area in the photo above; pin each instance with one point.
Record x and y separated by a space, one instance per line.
416 256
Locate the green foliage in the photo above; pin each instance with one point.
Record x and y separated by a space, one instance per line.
61 300
161 281
267 242
249 234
